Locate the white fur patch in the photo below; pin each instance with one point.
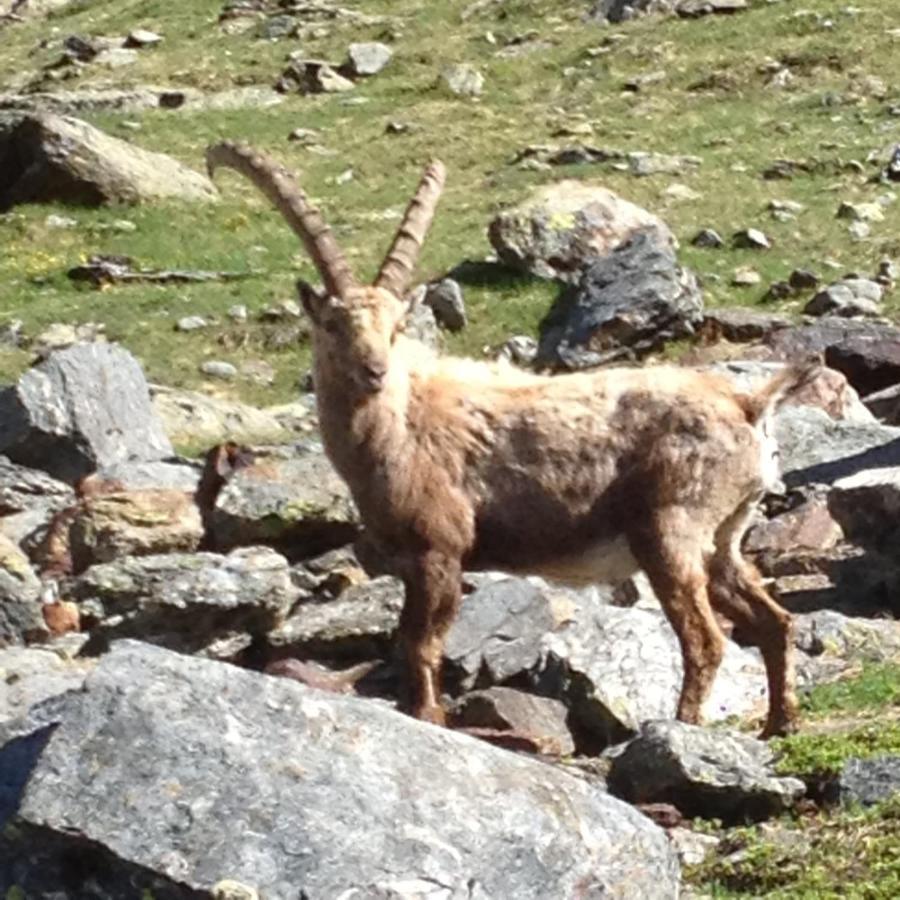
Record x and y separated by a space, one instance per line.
605 562
769 457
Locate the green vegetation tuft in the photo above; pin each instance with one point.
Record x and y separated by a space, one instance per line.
818 755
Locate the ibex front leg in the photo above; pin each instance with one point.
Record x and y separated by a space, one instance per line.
433 592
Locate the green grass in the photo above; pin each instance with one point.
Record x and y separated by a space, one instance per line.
736 129
843 853
851 855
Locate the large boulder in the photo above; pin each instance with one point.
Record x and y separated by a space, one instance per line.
871 363
45 158
291 499
564 227
33 675
195 602
702 772
84 407
177 773
628 303
816 449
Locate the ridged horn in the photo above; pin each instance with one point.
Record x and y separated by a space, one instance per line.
397 268
282 189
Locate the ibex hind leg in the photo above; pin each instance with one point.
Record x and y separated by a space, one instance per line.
433 594
672 553
737 593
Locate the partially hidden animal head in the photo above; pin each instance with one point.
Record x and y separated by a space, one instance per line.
354 325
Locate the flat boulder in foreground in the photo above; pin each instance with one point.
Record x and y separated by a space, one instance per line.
171 773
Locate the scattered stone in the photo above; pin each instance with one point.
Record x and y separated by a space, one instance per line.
237 313
291 500
541 719
751 239
829 637
463 80
695 9
51 158
218 369
116 57
191 602
891 171
861 212
319 777
141 37
305 136
869 781
20 610
816 335
778 290
847 298
564 227
859 231
82 408
641 164
803 280
167 474
359 623
312 76
366 59
59 335
708 238
276 27
712 774
624 305
519 349
60 222
744 276
445 298
624 10
692 847
739 325
103 270
191 323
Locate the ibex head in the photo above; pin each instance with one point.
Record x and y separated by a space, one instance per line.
354 325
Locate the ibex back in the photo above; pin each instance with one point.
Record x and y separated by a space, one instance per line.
460 464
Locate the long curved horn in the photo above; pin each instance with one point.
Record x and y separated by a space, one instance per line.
287 196
398 265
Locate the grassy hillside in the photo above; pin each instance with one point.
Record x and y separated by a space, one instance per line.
712 101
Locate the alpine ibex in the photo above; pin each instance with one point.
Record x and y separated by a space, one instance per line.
458 464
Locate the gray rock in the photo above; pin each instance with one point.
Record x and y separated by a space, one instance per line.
708 238
848 297
463 80
624 10
194 602
29 499
275 27
292 500
190 770
625 305
312 76
116 57
818 335
191 323
46 157
422 326
498 632
829 636
32 675
563 228
20 609
520 349
142 37
816 449
445 298
871 362
713 774
178 475
366 59
867 505
751 239
83 408
695 9
740 325
359 623
869 781
642 163
215 368
541 719
616 668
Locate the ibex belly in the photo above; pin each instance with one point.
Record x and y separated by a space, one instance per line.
603 562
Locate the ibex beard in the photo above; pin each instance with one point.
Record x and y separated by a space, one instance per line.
456 464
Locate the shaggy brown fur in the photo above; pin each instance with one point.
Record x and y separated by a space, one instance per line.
456 464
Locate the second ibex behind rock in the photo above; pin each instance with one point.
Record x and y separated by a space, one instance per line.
460 464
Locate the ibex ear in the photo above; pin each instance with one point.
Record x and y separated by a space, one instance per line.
311 299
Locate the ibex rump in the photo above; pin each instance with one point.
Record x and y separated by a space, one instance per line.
458 464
